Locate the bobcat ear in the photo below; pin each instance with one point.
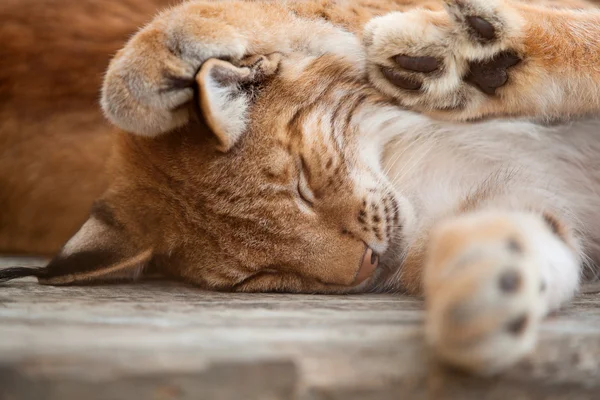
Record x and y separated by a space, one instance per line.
101 251
226 94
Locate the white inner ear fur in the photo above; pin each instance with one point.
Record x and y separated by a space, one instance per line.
89 237
223 100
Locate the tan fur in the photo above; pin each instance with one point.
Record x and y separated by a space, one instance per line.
285 190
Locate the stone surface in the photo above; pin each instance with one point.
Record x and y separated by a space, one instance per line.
161 340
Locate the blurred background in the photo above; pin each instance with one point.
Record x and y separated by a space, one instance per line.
54 141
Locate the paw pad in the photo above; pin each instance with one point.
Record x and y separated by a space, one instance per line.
515 246
482 28
490 75
510 281
398 80
518 325
417 64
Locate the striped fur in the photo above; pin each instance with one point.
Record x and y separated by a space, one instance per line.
494 222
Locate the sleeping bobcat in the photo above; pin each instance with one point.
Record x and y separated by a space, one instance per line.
291 162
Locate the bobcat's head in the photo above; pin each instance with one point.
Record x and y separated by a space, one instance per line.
275 185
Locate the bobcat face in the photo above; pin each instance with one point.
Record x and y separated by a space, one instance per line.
294 200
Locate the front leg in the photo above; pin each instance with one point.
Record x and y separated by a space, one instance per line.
486 58
490 278
151 79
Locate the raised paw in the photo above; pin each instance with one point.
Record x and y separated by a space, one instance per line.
149 82
447 62
487 287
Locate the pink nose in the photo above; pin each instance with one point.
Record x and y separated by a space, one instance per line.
368 265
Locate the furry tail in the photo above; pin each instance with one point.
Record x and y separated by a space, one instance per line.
8 274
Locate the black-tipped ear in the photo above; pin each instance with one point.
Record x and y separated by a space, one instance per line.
225 95
101 251
94 267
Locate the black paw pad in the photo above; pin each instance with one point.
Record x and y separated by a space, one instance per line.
398 80
417 64
492 74
510 281
518 325
514 245
482 28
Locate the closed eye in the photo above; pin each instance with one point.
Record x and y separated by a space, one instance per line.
304 191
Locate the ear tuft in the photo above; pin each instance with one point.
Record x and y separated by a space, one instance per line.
7 274
225 94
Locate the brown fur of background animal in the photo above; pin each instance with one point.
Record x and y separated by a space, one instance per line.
54 141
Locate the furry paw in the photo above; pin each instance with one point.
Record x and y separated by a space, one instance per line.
444 62
487 284
149 82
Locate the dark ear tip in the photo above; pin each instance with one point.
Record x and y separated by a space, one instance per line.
88 267
8 274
